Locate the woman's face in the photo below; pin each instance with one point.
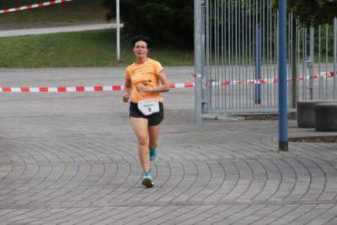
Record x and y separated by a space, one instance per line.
140 50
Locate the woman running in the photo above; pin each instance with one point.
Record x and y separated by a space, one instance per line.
145 79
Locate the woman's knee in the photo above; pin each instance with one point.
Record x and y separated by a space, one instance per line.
143 140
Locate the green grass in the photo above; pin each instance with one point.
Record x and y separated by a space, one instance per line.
80 49
77 11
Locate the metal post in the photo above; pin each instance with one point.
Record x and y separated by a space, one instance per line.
326 60
258 63
335 60
309 75
294 47
204 93
198 61
118 51
283 101
310 65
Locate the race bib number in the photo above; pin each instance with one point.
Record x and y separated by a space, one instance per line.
148 107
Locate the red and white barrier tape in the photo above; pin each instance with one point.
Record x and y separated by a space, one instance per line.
78 89
101 88
32 6
325 75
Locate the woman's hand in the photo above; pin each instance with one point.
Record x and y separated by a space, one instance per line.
126 97
144 88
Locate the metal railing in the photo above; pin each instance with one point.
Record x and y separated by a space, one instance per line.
240 58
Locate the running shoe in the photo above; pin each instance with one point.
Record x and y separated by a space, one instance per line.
147 180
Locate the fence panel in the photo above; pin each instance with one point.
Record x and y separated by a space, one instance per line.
240 58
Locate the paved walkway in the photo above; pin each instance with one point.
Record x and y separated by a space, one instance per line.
71 159
61 29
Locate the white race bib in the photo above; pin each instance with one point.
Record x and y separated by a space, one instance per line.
148 107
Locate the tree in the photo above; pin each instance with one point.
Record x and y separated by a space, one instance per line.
313 12
169 21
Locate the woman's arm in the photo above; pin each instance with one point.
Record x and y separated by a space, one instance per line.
163 87
127 89
165 83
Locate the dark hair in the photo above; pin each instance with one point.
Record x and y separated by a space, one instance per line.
141 38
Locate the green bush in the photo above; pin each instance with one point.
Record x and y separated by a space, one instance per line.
313 12
166 22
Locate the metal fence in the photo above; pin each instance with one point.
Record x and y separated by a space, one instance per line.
316 50
240 58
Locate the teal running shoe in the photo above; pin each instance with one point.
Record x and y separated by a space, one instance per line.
147 180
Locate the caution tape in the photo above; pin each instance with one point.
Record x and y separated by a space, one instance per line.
32 6
77 89
102 88
324 75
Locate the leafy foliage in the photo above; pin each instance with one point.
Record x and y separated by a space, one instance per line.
169 21
313 12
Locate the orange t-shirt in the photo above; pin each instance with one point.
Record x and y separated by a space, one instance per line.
146 74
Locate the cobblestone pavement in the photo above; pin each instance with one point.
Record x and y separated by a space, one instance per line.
71 159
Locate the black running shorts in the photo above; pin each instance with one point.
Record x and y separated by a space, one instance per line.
154 119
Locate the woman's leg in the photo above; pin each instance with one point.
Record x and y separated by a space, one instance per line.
153 139
154 122
140 127
153 136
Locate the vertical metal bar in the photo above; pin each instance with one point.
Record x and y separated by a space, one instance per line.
255 40
118 31
252 52
294 62
298 55
221 20
265 40
239 39
211 49
226 52
320 88
215 49
269 60
207 61
230 88
242 53
276 53
304 68
221 52
204 91
249 96
283 106
326 60
218 47
311 62
258 64
214 52
245 54
263 33
198 61
289 28
218 51
218 18
237 87
335 61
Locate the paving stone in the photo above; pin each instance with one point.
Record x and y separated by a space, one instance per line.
71 159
